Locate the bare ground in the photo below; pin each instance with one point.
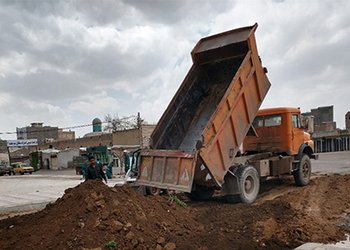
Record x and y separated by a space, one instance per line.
92 214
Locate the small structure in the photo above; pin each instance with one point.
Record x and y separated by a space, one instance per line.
58 159
49 159
96 125
65 157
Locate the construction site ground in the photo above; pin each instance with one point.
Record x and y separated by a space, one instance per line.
91 215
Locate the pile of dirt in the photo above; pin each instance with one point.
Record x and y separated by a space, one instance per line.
92 214
284 216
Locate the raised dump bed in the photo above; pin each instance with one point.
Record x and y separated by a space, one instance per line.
200 132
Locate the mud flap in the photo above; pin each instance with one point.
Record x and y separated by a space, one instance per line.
231 184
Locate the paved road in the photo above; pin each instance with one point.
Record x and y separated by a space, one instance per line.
329 163
31 192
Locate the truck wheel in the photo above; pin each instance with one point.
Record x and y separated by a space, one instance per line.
249 184
201 193
303 174
152 191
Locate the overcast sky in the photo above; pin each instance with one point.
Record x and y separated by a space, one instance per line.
66 62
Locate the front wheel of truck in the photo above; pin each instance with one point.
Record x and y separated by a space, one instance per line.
249 181
303 173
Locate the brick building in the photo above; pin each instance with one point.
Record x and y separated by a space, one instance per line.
37 131
327 138
347 120
323 118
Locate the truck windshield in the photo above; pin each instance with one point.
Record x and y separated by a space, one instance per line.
267 121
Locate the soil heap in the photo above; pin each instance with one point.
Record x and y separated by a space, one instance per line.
92 214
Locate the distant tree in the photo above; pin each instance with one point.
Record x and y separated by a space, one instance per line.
115 123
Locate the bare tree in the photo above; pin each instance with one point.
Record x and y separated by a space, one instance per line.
114 123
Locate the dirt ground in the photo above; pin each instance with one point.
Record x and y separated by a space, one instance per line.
92 214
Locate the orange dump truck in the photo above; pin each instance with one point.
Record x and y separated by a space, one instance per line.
196 143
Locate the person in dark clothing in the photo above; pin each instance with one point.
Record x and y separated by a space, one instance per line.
94 171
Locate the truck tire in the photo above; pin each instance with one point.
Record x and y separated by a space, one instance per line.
303 173
201 193
249 182
152 191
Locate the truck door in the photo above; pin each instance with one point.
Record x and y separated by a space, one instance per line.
297 133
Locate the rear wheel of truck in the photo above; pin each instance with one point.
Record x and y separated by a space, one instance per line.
249 182
201 193
303 174
152 191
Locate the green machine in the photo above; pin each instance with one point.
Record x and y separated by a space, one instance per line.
102 156
100 153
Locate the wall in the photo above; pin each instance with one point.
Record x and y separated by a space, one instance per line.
101 139
323 118
347 120
147 131
325 126
126 137
65 135
66 156
323 114
49 161
4 158
3 146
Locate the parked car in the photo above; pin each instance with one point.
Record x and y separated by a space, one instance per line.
4 169
21 168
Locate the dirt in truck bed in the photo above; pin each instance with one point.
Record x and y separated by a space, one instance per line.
92 214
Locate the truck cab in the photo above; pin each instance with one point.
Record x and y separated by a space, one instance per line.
279 130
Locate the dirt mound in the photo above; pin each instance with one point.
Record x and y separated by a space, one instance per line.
92 214
284 216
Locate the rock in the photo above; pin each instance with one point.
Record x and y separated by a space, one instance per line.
102 227
161 241
141 240
127 226
97 223
117 225
159 247
170 246
12 226
105 215
81 224
134 242
94 196
130 236
141 216
100 203
90 207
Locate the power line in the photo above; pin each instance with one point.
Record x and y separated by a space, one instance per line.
50 129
